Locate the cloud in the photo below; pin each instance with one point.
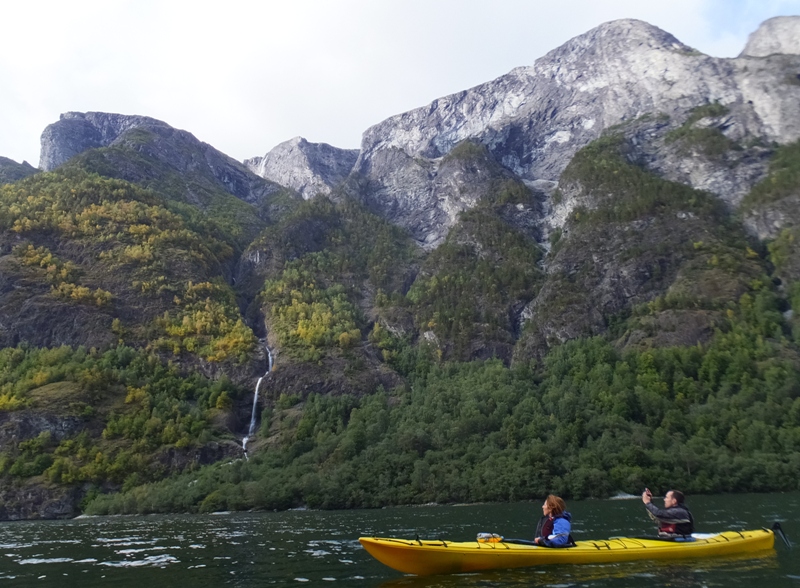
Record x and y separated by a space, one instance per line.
249 74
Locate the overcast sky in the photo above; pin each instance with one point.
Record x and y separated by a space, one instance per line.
245 75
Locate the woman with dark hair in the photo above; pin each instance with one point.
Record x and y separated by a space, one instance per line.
554 527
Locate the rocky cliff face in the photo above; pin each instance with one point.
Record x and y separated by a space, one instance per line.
426 196
75 132
11 171
308 168
179 151
535 118
775 36
707 123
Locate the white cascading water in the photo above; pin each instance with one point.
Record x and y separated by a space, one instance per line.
252 428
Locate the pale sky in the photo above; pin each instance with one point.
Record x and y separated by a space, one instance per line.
245 75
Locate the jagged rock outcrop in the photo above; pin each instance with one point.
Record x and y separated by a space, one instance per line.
777 35
426 196
21 501
535 118
768 220
17 426
11 171
179 151
699 154
75 132
629 232
308 168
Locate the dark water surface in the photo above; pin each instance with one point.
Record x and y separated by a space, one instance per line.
321 548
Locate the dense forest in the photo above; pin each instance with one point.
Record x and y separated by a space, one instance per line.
588 421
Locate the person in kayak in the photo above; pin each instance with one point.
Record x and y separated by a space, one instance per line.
554 527
674 520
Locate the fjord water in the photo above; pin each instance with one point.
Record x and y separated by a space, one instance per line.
320 548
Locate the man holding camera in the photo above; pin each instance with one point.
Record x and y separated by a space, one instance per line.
674 520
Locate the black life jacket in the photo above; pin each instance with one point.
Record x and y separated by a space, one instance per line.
684 528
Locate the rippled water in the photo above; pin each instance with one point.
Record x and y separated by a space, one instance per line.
321 548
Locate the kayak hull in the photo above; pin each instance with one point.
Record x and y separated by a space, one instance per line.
449 557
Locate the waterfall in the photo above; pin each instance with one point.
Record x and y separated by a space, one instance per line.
252 428
254 412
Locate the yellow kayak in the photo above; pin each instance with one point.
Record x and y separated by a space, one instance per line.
449 557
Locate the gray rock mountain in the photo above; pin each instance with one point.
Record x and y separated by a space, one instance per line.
174 149
11 171
531 121
777 35
308 168
76 132
534 119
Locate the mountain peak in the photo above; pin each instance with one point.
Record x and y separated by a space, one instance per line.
626 32
309 168
175 150
75 132
776 35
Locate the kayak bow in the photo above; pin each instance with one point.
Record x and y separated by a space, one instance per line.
448 557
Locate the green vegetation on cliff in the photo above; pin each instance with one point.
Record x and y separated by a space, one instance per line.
111 415
193 194
155 274
634 239
783 179
773 204
589 421
707 140
395 381
331 254
468 285
627 192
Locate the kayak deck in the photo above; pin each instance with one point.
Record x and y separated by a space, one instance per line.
448 557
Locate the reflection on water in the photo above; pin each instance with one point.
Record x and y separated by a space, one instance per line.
636 573
321 548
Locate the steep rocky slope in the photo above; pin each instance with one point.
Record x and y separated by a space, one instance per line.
534 119
775 36
308 168
77 132
630 237
11 171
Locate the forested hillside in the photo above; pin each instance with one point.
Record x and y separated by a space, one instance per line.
589 421
365 409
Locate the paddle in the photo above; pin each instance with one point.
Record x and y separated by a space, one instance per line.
776 528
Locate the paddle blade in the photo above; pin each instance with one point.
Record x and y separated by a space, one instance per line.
778 530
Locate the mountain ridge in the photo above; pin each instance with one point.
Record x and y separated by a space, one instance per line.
308 168
535 118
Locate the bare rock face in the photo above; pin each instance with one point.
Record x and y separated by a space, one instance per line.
767 221
76 132
308 168
21 501
534 119
426 196
729 173
776 35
